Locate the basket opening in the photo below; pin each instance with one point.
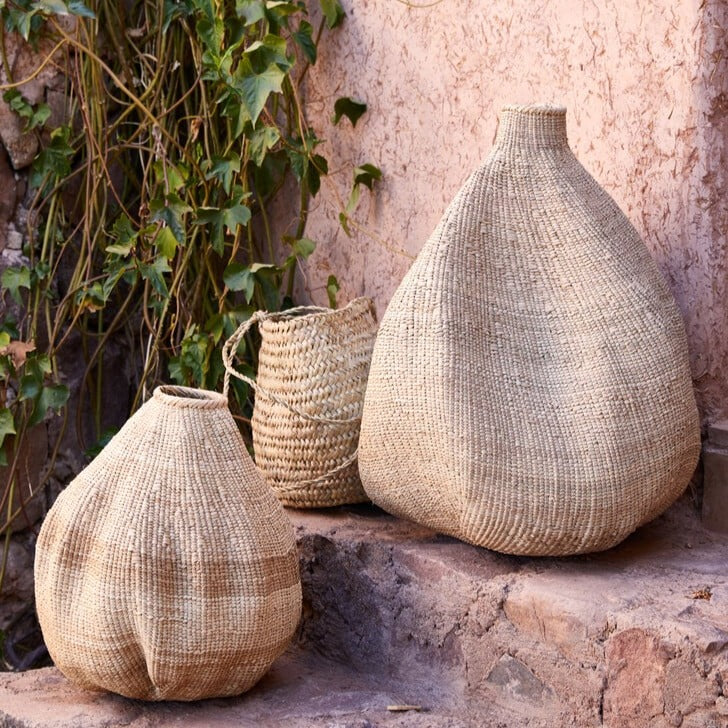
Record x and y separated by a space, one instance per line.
188 396
186 392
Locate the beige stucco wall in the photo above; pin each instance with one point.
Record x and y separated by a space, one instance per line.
646 87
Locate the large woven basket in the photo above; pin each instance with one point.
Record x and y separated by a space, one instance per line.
167 570
312 372
530 389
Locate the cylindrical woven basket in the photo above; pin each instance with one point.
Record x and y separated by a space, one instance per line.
313 366
167 570
530 389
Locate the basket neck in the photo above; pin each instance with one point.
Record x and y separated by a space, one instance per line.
532 127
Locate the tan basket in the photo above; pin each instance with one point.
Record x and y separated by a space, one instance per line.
167 570
312 373
530 388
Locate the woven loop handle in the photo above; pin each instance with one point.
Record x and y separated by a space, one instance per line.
228 356
321 479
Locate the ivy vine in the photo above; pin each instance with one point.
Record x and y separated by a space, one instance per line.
152 210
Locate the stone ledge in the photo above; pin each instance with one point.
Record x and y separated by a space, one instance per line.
393 613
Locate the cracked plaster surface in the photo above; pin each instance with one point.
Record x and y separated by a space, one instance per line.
646 88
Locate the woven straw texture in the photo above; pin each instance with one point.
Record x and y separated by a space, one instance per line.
530 389
167 570
312 374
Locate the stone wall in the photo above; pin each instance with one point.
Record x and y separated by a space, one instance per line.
646 88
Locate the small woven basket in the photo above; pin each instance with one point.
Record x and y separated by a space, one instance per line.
312 373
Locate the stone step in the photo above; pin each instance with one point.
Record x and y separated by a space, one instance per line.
395 614
636 636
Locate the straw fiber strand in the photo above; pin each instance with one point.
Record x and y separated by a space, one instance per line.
312 373
530 389
167 570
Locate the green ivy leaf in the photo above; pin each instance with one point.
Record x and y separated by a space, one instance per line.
154 273
4 338
174 9
268 278
171 210
260 141
166 243
234 216
367 175
169 175
344 222
124 234
190 367
13 279
34 117
303 247
7 427
228 217
348 107
38 365
318 167
332 288
333 12
304 39
251 11
91 298
7 424
272 49
75 7
51 7
30 387
222 169
54 160
255 88
22 19
39 272
52 397
238 277
211 29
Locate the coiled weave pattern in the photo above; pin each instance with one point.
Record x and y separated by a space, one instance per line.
167 570
312 374
530 389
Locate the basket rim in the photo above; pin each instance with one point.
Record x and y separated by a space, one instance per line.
543 109
179 396
280 319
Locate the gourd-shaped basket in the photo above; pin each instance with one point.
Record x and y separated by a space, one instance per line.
309 392
530 389
167 570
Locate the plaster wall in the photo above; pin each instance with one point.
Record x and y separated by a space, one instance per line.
646 88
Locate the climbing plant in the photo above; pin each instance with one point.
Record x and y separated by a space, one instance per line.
171 203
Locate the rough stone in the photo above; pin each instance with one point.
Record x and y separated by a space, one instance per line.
300 691
715 488
8 196
517 680
13 239
718 434
686 689
23 61
28 503
635 673
17 588
395 614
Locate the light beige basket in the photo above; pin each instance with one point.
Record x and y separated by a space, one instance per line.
167 570
530 388
312 372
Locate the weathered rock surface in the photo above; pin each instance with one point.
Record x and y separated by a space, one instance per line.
393 614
